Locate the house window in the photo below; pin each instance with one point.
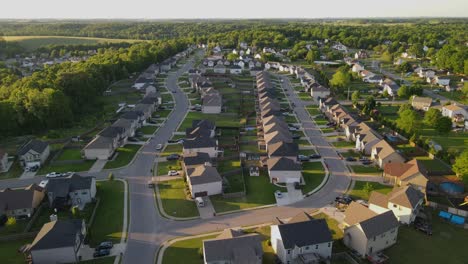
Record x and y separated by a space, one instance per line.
84 193
289 251
329 244
394 206
307 248
316 246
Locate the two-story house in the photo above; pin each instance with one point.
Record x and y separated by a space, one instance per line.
21 202
33 153
382 153
74 190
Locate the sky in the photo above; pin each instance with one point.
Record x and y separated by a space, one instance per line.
167 9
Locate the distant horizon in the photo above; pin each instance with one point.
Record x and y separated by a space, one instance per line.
233 18
241 9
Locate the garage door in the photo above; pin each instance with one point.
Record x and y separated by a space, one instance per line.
201 194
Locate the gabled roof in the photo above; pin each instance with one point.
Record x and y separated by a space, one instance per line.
35 145
57 234
383 149
406 196
123 123
283 164
422 100
199 142
280 127
405 170
197 158
112 131
13 199
203 174
100 143
133 115
372 224
304 233
281 149
205 123
278 136
62 186
212 100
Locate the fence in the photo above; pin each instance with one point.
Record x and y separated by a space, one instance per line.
449 209
343 257
235 194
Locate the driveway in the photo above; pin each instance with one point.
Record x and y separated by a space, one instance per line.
290 197
28 175
98 166
208 210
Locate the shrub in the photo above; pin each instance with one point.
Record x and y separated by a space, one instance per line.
110 177
11 221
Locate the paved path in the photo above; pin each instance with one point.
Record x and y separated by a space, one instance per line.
98 166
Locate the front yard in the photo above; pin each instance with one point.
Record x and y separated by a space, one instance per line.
362 189
344 144
14 172
125 154
9 251
148 130
77 167
368 170
174 200
165 166
221 120
313 174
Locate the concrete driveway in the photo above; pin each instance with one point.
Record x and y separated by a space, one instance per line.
208 210
98 166
28 175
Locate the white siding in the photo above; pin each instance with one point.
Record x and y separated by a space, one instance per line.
211 109
285 176
211 151
211 188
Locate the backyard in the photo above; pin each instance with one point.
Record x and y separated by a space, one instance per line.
221 120
174 200
125 154
9 251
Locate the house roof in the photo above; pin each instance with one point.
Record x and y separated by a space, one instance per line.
372 224
453 107
203 174
422 100
57 234
123 123
405 170
34 144
62 186
197 158
278 136
356 213
112 132
212 100
205 123
133 115
383 149
100 143
406 196
280 126
197 132
271 120
379 199
304 233
234 247
283 164
13 199
283 149
199 142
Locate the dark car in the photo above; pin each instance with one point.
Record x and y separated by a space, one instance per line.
303 158
296 136
315 156
423 226
343 200
161 107
101 253
350 159
34 168
174 91
173 157
366 162
105 245
132 139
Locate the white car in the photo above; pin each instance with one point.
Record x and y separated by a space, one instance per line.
53 174
173 173
43 183
159 147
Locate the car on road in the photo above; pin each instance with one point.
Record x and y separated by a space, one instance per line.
350 159
158 146
101 253
53 174
315 156
366 162
173 157
105 245
172 173
303 158
43 183
174 91
278 194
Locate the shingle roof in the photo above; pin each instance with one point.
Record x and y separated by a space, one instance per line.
197 132
133 115
305 233
379 199
197 158
405 170
406 196
372 224
100 143
123 123
199 142
57 234
112 131
212 100
283 149
203 174
383 149
13 199
36 145
61 187
283 164
205 123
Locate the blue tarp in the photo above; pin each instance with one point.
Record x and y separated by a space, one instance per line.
445 215
457 220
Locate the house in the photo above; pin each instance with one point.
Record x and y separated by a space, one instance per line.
454 112
205 124
373 79
20 202
219 68
74 190
126 125
367 232
33 153
382 153
284 170
193 160
442 81
233 246
366 138
361 54
411 173
278 136
235 69
405 202
3 161
390 86
283 149
204 180
200 144
357 67
318 91
421 103
100 147
212 104
302 239
58 241
134 115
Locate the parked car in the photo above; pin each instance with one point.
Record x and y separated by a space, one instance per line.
366 162
105 245
350 159
173 157
53 174
34 168
173 173
159 147
278 194
343 200
101 253
315 156
296 136
132 139
200 202
297 186
303 158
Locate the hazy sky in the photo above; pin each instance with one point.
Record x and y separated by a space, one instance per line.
230 9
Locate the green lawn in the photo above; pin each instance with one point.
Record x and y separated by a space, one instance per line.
446 245
14 229
457 96
9 251
434 165
174 202
221 120
172 149
108 221
453 140
165 166
344 144
14 172
320 121
235 183
162 113
370 170
307 152
359 191
44 216
228 165
148 130
259 192
70 154
313 174
125 155
77 167
351 153
313 111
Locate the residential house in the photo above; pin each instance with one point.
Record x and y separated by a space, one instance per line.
33 153
405 202
318 91
326 104
235 69
278 136
219 68
367 232
212 104
193 160
302 239
59 241
455 112
233 246
204 180
284 170
382 153
3 160
201 144
137 116
390 86
74 190
421 103
21 202
366 138
282 149
203 125
361 54
357 67
442 81
127 125
373 79
105 143
411 173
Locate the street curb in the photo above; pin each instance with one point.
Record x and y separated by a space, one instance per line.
161 208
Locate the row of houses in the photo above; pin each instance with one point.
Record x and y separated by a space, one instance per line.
199 149
212 100
274 135
105 143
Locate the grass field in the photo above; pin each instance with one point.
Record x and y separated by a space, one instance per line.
174 202
359 191
125 155
9 251
14 172
108 221
148 130
313 174
84 166
172 149
165 166
221 120
368 170
70 154
34 42
344 144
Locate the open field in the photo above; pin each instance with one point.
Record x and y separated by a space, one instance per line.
34 42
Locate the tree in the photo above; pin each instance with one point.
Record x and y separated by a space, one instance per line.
110 177
443 125
387 56
369 105
408 121
312 55
404 107
404 67
431 117
232 57
355 97
404 91
368 188
340 79
461 166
